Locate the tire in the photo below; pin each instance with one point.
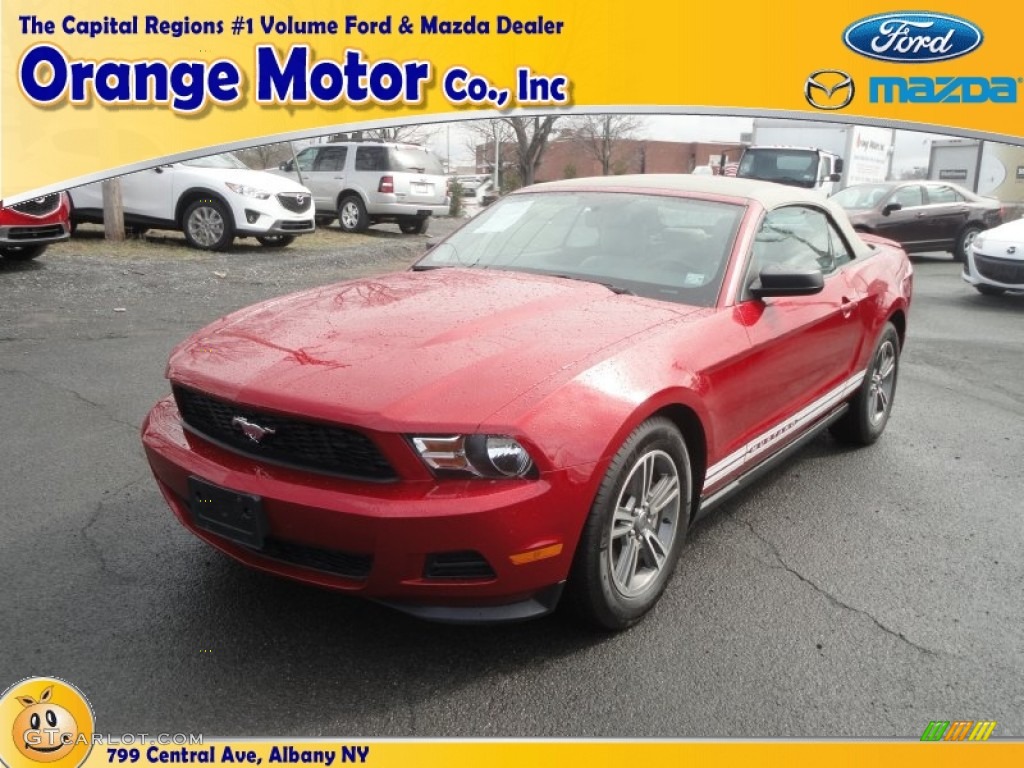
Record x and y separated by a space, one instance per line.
989 290
963 243
625 559
275 241
22 252
870 408
323 220
414 225
136 231
352 214
208 226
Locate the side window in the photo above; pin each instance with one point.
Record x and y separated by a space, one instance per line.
797 237
332 159
908 197
941 195
372 159
306 158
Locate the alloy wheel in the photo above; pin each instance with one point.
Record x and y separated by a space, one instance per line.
644 523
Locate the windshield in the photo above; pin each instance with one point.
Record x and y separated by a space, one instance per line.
670 248
225 160
796 167
417 160
861 196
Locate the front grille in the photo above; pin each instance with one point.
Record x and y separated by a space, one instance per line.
295 202
1008 271
308 445
303 225
332 561
28 234
457 565
41 206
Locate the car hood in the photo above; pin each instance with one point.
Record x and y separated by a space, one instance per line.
1005 235
439 349
260 179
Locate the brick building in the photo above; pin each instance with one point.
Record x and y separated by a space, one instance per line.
566 157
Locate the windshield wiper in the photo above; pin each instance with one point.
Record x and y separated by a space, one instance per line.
617 289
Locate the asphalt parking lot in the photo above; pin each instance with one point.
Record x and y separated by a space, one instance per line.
853 593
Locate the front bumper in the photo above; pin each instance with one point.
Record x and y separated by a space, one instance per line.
34 234
998 272
279 227
391 530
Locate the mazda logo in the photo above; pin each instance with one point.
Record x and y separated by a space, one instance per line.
828 89
300 199
253 431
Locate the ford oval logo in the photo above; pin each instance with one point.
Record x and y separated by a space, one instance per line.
912 37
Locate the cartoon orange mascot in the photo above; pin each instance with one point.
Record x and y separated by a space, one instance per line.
43 731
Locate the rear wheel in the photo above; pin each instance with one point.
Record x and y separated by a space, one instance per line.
964 242
21 252
352 214
632 538
208 226
414 225
989 290
275 241
869 410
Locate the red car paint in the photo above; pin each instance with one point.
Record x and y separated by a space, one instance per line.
28 227
568 368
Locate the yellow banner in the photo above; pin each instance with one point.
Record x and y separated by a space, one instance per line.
91 89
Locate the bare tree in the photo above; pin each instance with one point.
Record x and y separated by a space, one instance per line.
522 141
598 135
265 155
405 134
532 135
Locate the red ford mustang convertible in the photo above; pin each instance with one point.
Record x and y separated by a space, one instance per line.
543 404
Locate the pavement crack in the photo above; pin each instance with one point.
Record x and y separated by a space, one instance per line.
98 547
832 598
77 395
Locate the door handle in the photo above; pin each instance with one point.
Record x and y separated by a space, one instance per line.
846 306
921 215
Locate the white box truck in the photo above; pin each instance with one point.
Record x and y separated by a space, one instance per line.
816 155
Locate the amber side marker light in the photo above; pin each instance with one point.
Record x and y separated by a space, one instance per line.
533 555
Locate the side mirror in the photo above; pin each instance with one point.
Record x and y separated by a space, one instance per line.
838 166
784 280
835 177
890 207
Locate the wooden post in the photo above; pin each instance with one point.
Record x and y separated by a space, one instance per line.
113 210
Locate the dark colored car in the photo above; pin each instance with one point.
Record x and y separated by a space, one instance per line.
549 398
26 228
921 215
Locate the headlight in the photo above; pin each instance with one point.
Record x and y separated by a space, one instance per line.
245 191
476 455
979 241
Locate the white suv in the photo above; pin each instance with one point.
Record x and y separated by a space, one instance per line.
212 200
364 183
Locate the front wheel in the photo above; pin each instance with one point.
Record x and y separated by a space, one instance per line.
869 410
632 538
964 243
208 226
275 241
413 225
22 252
352 214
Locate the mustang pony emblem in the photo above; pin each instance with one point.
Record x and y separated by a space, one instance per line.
254 432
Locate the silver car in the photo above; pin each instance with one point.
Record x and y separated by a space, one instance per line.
366 183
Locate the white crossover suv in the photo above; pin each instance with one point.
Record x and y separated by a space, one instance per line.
212 200
364 183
